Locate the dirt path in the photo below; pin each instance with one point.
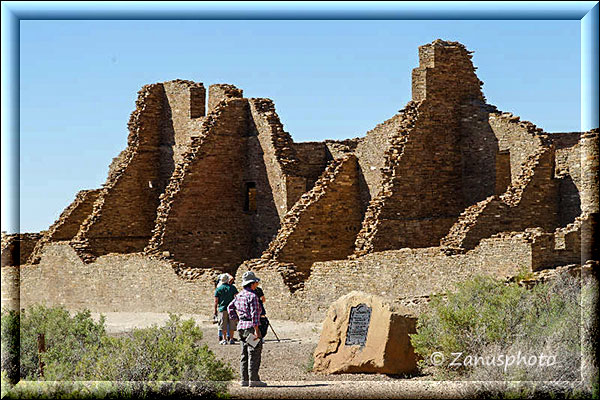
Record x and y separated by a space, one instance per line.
286 364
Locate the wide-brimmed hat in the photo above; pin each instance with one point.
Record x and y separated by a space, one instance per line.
224 278
249 278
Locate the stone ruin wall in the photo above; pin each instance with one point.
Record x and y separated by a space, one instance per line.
201 219
138 283
68 223
482 175
123 215
324 223
530 201
426 156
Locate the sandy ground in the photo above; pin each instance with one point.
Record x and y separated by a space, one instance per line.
286 364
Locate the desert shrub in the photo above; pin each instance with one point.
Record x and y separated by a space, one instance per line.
10 346
78 349
486 323
68 339
168 353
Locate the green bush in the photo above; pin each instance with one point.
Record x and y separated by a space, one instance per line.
79 349
68 339
168 353
486 318
10 346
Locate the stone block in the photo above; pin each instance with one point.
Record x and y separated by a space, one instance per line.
362 333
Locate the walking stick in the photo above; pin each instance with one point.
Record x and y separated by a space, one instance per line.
273 330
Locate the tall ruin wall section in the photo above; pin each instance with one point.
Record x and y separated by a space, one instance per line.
428 157
123 215
202 208
530 201
324 223
568 172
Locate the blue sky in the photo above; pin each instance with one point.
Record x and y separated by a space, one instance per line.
329 79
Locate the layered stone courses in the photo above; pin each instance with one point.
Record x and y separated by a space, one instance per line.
446 188
304 236
68 223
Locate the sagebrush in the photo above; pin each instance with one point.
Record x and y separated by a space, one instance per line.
485 321
79 349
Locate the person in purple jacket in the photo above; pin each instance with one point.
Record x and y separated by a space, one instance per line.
246 308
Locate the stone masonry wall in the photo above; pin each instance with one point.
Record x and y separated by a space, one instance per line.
427 156
279 152
201 220
68 223
119 282
485 170
568 171
138 283
431 161
312 161
324 223
222 91
17 248
393 274
530 201
182 120
520 138
123 215
374 151
590 197
384 179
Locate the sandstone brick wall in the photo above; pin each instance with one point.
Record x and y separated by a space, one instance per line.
485 168
68 223
393 274
138 283
520 138
201 218
427 156
324 223
206 185
382 181
123 215
568 171
119 282
17 248
374 150
10 288
182 120
222 91
531 201
590 187
312 161
445 72
278 152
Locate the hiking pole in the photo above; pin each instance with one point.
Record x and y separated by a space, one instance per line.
273 330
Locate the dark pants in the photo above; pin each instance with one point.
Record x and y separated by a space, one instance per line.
250 357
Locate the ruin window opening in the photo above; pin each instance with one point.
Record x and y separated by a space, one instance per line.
250 197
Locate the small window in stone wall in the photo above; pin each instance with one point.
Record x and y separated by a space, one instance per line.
250 200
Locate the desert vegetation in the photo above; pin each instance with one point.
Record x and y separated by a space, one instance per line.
494 331
59 351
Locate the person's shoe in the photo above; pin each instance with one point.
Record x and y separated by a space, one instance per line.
223 342
258 384
244 383
232 341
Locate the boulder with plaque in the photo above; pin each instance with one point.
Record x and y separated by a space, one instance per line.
363 333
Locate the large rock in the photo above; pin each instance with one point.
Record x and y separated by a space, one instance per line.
364 334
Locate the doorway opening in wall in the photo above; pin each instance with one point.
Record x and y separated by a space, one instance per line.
250 198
